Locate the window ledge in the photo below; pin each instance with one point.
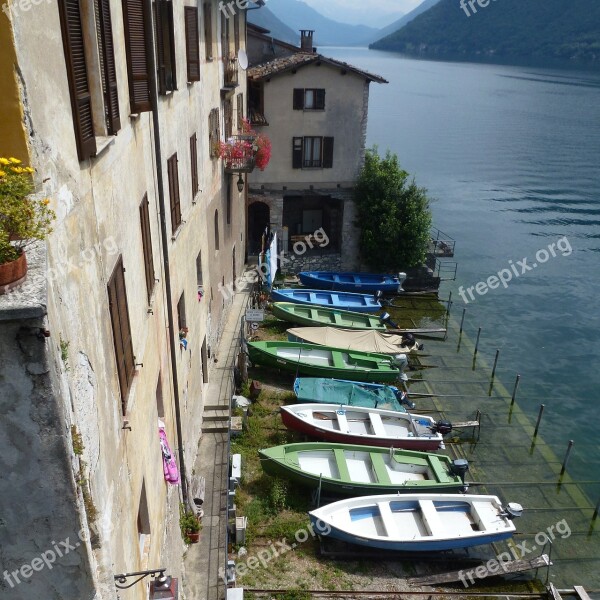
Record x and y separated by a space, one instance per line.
177 231
102 143
313 110
134 116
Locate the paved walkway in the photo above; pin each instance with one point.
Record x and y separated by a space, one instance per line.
205 562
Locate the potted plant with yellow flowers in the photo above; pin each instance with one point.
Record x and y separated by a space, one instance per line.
23 220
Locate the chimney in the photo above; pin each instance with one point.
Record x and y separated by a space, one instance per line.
306 40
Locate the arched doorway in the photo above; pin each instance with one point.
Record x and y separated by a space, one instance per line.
258 219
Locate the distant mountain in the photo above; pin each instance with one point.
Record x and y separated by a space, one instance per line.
407 18
510 29
328 32
279 30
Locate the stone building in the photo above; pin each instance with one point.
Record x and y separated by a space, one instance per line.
119 107
315 111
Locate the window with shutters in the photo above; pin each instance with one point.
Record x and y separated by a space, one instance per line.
175 204
229 200
309 99
165 46
216 229
121 329
228 117
236 31
91 72
181 318
137 43
194 164
214 132
312 152
147 246
208 30
240 111
192 43
225 35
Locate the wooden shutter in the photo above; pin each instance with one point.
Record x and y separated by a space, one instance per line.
236 31
240 111
327 152
298 99
121 328
297 145
147 246
192 47
173 176
136 48
208 38
319 99
111 93
81 100
194 164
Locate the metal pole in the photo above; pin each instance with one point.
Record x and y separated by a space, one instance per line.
514 394
568 453
319 490
495 363
462 321
477 342
449 303
595 515
537 425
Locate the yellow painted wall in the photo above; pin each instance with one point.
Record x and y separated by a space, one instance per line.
13 139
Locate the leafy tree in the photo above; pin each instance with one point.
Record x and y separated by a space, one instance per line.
393 215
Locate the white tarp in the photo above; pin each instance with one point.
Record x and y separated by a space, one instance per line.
352 339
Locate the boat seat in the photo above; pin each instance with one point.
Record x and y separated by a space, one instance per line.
380 469
387 516
340 459
438 469
377 423
431 518
338 361
342 422
486 516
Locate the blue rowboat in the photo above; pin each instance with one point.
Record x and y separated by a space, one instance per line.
353 282
417 522
341 300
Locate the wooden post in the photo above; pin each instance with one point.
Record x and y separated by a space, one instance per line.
514 394
477 342
595 515
537 425
462 321
495 363
568 453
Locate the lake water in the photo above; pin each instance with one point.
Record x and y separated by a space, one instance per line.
512 157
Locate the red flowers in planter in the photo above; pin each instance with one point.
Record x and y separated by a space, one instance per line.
247 150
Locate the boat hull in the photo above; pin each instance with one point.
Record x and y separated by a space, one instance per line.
422 444
342 300
284 461
352 282
296 365
317 316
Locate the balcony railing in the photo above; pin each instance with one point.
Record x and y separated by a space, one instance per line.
231 72
238 154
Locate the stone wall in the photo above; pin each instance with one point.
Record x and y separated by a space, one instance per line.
306 262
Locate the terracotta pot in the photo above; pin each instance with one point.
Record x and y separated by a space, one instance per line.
12 273
193 537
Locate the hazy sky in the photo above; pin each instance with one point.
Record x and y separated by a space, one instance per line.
365 12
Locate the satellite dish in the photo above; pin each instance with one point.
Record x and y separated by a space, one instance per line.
242 59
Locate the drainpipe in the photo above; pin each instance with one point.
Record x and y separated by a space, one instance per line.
164 235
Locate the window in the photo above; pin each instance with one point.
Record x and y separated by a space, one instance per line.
309 99
229 200
160 406
199 278
312 152
192 43
228 117
92 113
204 354
165 46
236 31
208 30
181 320
138 70
121 328
214 132
216 229
225 34
173 176
143 520
240 112
194 164
147 246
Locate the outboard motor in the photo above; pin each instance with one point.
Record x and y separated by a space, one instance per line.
442 427
401 279
401 363
385 318
512 510
378 295
459 467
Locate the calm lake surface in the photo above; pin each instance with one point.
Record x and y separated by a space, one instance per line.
512 157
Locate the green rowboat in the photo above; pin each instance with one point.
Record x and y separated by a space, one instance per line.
352 470
317 316
323 361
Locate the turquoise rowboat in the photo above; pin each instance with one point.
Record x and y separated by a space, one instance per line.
352 470
312 316
341 300
322 361
353 282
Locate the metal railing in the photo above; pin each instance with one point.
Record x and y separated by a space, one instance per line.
441 245
240 157
231 72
